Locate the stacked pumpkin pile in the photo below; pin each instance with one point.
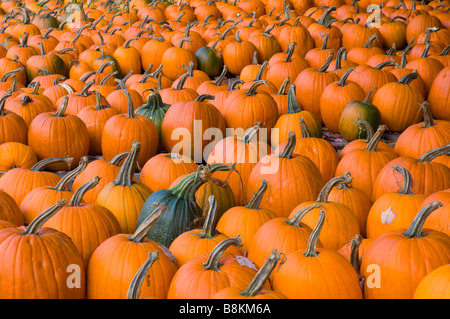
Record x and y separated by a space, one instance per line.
110 187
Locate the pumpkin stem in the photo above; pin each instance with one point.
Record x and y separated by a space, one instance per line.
416 226
131 114
41 165
385 64
203 97
181 82
257 196
79 193
118 158
250 133
208 226
221 77
213 262
327 62
354 254
367 99
435 152
311 248
41 48
283 86
304 128
407 180
290 146
427 115
325 15
373 143
252 90
256 285
408 78
345 76
445 51
148 222
370 40
126 172
292 104
426 51
106 78
365 126
34 227
62 184
295 220
3 102
232 85
136 283
325 42
325 192
63 108
85 90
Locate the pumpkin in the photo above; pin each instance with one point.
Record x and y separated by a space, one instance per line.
28 107
308 96
53 63
195 113
12 126
195 78
362 111
202 276
438 95
128 58
177 93
357 244
434 285
134 290
404 259
394 210
182 212
209 60
14 154
58 134
124 197
134 127
115 262
371 161
238 54
318 56
301 180
79 220
9 210
174 57
317 275
438 219
255 289
52 272
199 241
428 177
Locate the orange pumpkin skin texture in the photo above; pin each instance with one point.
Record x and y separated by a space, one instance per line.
115 262
439 95
9 210
238 54
371 162
120 131
435 285
439 218
313 272
18 182
199 241
301 180
161 170
88 225
395 210
404 257
194 280
184 114
340 222
245 220
14 154
47 274
124 197
174 57
245 150
428 135
254 289
27 107
428 177
13 128
310 84
390 96
335 98
355 199
285 235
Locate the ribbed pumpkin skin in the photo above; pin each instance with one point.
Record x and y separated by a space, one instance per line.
9 210
439 95
29 110
403 262
53 136
114 263
327 276
301 182
18 182
192 281
440 218
88 225
435 285
14 154
124 202
161 170
45 275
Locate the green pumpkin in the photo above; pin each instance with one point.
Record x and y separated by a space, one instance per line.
154 109
210 60
182 213
357 110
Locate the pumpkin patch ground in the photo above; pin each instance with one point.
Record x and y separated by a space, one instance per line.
216 149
